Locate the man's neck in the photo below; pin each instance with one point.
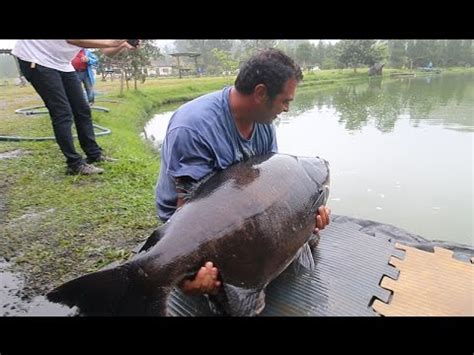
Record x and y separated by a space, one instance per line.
240 109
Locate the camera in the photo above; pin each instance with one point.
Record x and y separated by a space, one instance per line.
133 42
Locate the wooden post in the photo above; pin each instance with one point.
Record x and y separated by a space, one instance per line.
179 66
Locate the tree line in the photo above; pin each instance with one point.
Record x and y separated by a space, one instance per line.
226 55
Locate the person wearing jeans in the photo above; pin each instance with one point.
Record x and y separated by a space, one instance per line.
46 64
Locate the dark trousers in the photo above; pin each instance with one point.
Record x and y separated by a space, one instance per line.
63 96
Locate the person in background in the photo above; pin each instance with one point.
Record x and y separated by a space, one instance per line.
46 64
83 63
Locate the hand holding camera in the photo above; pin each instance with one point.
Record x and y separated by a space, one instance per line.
133 42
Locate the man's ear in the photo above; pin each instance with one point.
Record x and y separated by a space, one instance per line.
260 93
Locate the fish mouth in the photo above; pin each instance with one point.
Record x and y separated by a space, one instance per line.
317 170
325 192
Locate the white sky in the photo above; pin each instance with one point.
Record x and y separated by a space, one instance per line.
6 44
9 43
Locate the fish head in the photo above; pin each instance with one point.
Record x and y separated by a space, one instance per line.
317 169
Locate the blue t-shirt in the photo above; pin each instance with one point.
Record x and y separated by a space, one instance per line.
201 138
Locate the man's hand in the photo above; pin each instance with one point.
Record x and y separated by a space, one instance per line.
132 44
204 282
322 218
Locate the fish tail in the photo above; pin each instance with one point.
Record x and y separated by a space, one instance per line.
118 291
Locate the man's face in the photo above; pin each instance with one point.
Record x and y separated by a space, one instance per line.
281 103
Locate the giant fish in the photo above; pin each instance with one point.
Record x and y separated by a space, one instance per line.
252 220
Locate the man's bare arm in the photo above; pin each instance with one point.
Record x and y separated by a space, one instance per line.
183 186
180 201
109 47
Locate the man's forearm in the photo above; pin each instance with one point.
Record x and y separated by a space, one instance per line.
184 185
109 47
180 202
96 43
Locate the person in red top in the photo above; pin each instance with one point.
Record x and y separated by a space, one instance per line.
83 63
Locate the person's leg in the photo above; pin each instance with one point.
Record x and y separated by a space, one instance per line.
89 89
82 115
85 80
48 84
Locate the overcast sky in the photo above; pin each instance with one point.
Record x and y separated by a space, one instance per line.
9 43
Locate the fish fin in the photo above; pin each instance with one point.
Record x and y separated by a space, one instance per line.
189 186
313 241
243 301
216 303
153 238
157 306
304 259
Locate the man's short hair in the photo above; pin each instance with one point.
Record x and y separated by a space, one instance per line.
270 67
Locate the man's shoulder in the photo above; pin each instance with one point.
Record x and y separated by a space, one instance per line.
205 101
194 113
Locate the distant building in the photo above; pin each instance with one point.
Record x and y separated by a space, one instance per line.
161 66
164 70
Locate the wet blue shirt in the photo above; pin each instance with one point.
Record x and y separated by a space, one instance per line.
201 138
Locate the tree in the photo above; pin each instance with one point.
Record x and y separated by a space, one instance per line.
434 54
397 53
289 46
132 63
136 61
411 52
224 58
319 53
203 47
304 54
329 59
378 52
466 52
454 52
250 47
418 53
351 53
443 54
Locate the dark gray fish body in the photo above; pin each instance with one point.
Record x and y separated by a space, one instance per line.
251 220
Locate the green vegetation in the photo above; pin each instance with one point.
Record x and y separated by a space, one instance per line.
409 54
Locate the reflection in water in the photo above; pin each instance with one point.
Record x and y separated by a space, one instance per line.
13 301
400 152
155 129
446 99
